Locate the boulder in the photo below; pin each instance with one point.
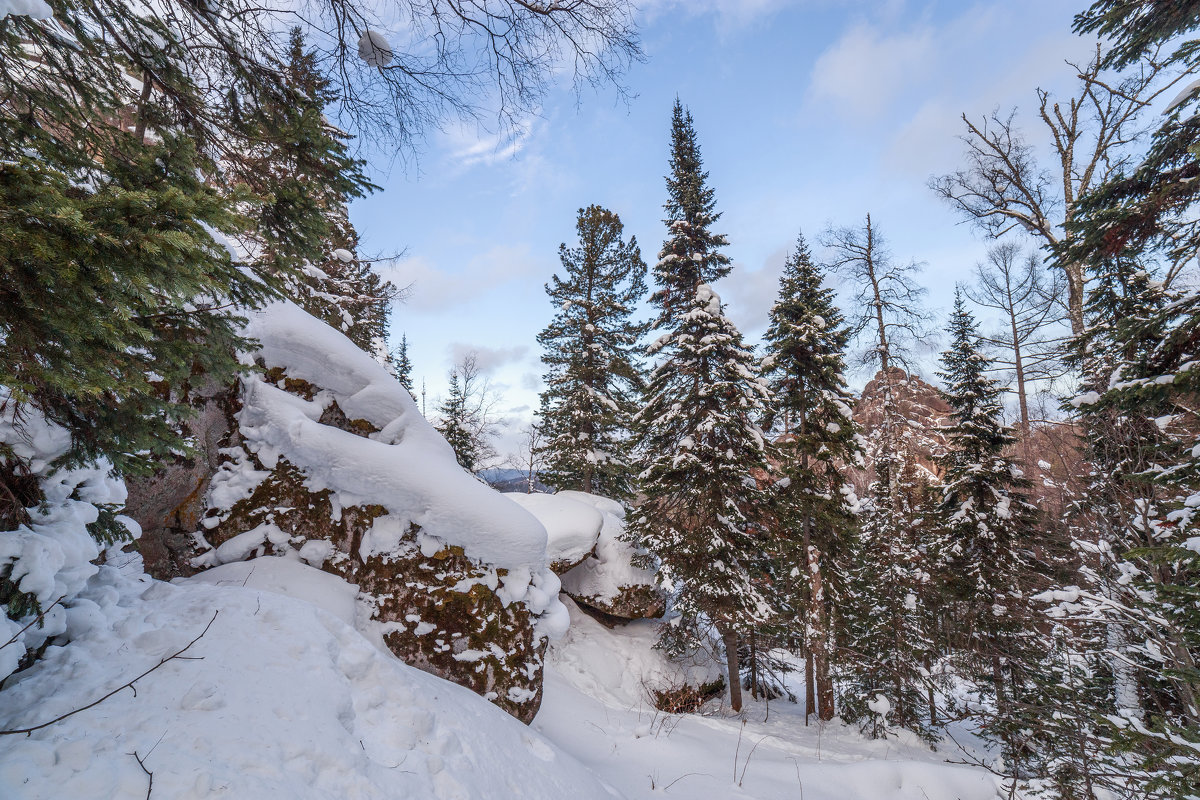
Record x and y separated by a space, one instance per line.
607 580
572 527
328 460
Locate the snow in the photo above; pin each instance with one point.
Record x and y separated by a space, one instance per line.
572 527
374 49
51 556
343 255
1085 399
603 574
288 577
595 709
407 467
1184 95
38 9
281 700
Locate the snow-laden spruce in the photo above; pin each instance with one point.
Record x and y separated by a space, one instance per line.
594 374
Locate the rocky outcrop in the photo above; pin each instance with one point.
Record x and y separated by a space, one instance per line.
607 580
925 415
321 455
169 503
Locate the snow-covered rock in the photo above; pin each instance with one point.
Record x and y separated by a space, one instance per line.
607 580
278 700
572 527
330 461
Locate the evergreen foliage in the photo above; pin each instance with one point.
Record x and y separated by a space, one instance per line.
303 224
813 504
594 380
698 432
402 364
691 255
985 548
455 425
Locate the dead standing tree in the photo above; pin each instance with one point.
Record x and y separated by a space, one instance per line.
1025 344
1004 187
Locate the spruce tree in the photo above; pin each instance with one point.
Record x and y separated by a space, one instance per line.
1139 411
814 504
698 434
987 533
402 364
594 380
455 424
1135 590
304 225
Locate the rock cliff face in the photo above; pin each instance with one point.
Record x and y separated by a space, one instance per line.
322 456
924 413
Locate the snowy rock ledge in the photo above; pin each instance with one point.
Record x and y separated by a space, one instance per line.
329 460
572 527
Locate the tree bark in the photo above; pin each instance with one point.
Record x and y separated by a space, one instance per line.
730 639
820 637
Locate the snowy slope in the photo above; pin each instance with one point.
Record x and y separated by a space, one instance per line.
286 701
594 709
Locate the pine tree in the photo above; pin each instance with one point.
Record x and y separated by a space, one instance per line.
697 432
402 364
455 425
594 380
304 169
988 529
806 340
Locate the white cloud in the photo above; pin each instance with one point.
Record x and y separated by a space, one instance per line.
862 73
751 293
437 288
487 359
728 13
466 148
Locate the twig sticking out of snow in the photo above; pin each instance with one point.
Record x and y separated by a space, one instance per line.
33 622
127 685
149 774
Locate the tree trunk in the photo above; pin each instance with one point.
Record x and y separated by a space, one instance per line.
820 647
730 639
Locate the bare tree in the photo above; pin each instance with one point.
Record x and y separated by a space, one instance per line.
529 459
888 303
468 417
1026 300
1003 187
887 298
470 59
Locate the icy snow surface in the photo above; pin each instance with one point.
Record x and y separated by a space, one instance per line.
285 701
572 527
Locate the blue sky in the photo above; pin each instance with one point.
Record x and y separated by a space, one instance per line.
808 113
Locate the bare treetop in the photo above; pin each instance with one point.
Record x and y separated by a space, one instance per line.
468 59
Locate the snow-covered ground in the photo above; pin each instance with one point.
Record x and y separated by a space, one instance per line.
594 709
279 699
285 698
